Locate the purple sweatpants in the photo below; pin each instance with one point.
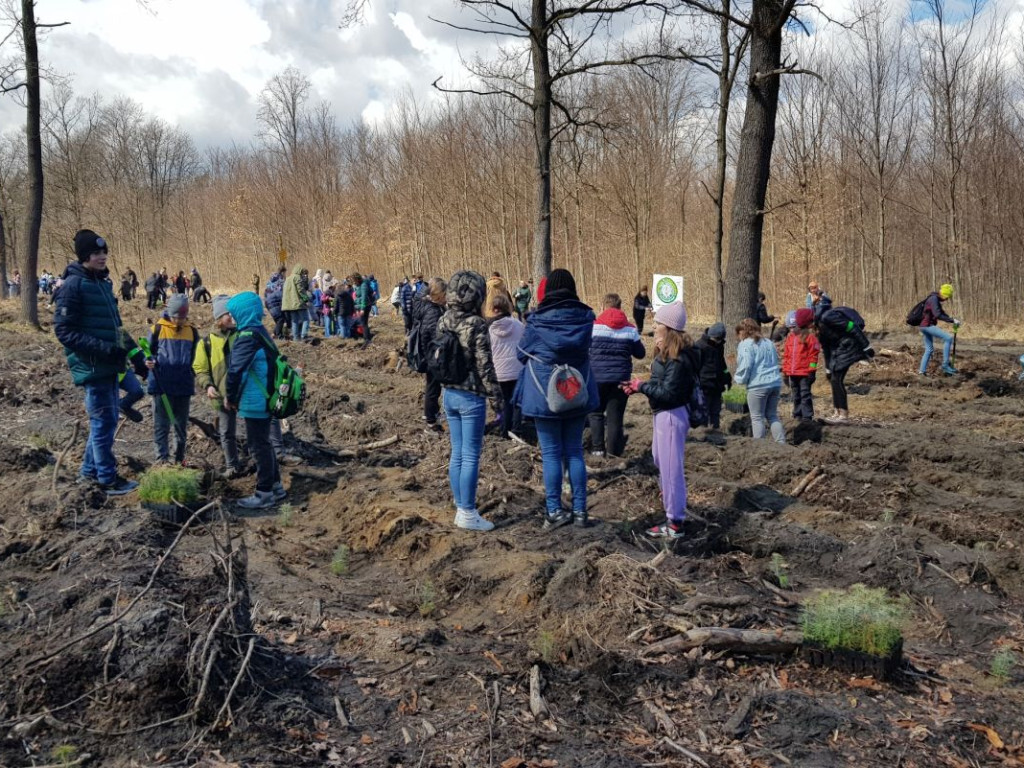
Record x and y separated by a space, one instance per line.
669 448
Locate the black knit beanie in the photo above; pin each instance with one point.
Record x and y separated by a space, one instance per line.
87 243
561 280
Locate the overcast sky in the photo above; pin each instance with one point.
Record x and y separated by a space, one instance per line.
201 64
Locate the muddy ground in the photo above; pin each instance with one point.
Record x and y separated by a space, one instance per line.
356 626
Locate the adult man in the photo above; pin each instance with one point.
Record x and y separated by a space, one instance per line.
133 280
411 291
88 324
933 313
817 300
152 291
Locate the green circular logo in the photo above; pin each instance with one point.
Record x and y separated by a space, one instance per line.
667 290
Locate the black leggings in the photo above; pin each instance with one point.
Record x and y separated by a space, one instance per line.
839 401
508 388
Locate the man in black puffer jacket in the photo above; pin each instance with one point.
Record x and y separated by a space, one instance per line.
88 324
426 311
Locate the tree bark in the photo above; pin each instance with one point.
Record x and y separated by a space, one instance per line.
3 258
34 220
753 165
542 139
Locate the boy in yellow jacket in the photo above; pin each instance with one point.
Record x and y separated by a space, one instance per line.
211 369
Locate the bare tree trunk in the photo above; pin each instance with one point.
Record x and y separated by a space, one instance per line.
34 222
542 137
3 258
753 165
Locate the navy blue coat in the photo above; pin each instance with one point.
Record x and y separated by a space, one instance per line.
88 324
556 333
613 346
272 297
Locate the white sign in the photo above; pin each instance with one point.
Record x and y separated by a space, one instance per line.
667 289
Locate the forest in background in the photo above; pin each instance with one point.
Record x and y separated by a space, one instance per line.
897 166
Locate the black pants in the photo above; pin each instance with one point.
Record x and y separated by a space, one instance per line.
638 318
152 299
407 319
366 325
279 324
803 403
713 397
508 388
606 423
431 399
257 437
839 401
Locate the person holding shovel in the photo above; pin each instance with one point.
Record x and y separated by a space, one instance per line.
930 330
172 382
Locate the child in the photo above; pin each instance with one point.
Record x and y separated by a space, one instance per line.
172 382
673 377
714 374
127 380
757 368
800 364
613 346
211 369
318 301
249 378
327 310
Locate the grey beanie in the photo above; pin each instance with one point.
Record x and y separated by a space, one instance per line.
717 331
177 305
220 305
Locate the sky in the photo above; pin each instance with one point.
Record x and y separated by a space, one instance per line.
200 64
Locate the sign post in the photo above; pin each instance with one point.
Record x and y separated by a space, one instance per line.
667 289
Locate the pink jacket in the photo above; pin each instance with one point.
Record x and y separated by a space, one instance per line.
505 335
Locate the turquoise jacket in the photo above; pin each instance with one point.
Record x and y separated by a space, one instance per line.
249 378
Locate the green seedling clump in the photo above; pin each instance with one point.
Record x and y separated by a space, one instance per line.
737 395
339 563
1002 664
857 619
165 485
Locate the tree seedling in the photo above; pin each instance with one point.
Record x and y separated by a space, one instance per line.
780 570
339 563
857 619
166 485
64 754
1001 667
428 602
285 515
544 645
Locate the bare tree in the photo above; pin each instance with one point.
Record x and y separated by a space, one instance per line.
281 110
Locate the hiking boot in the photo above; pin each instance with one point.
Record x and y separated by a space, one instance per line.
280 494
556 519
949 370
667 530
131 414
580 519
259 500
85 480
119 487
470 520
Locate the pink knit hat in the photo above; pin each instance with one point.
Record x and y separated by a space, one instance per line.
673 315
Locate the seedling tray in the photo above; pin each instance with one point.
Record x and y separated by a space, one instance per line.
173 514
854 662
737 407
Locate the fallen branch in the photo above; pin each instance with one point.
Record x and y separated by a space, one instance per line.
63 454
801 486
697 602
593 472
726 639
537 705
355 453
685 752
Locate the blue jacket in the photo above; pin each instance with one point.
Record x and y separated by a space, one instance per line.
249 374
613 346
757 365
412 291
174 350
558 332
88 324
273 294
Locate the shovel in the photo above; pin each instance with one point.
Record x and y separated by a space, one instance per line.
952 355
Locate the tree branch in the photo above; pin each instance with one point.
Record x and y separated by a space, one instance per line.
473 91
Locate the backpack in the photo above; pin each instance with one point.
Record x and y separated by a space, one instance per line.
288 392
847 315
566 390
414 353
916 315
697 408
446 361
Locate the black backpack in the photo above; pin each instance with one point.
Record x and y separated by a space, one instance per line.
415 354
916 316
446 360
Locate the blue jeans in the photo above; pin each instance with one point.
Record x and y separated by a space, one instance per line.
329 326
931 333
101 406
764 413
467 414
561 443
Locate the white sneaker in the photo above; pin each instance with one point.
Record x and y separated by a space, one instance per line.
470 520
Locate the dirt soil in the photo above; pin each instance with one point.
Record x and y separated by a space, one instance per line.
356 626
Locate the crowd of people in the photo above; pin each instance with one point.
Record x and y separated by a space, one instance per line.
543 362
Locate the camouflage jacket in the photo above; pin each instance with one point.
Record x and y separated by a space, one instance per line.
476 345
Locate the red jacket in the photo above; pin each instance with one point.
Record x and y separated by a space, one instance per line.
800 356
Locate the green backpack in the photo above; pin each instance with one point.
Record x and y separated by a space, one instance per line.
289 388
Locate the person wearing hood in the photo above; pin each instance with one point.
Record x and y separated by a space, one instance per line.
713 376
211 369
843 343
558 334
465 402
800 364
669 392
273 296
426 313
172 382
930 330
88 325
505 332
613 346
295 301
250 376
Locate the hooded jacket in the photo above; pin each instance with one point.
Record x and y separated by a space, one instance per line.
842 339
713 374
558 332
174 350
800 355
614 344
249 379
933 311
296 291
757 365
506 333
87 323
465 300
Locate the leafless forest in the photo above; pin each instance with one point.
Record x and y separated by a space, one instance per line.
897 165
